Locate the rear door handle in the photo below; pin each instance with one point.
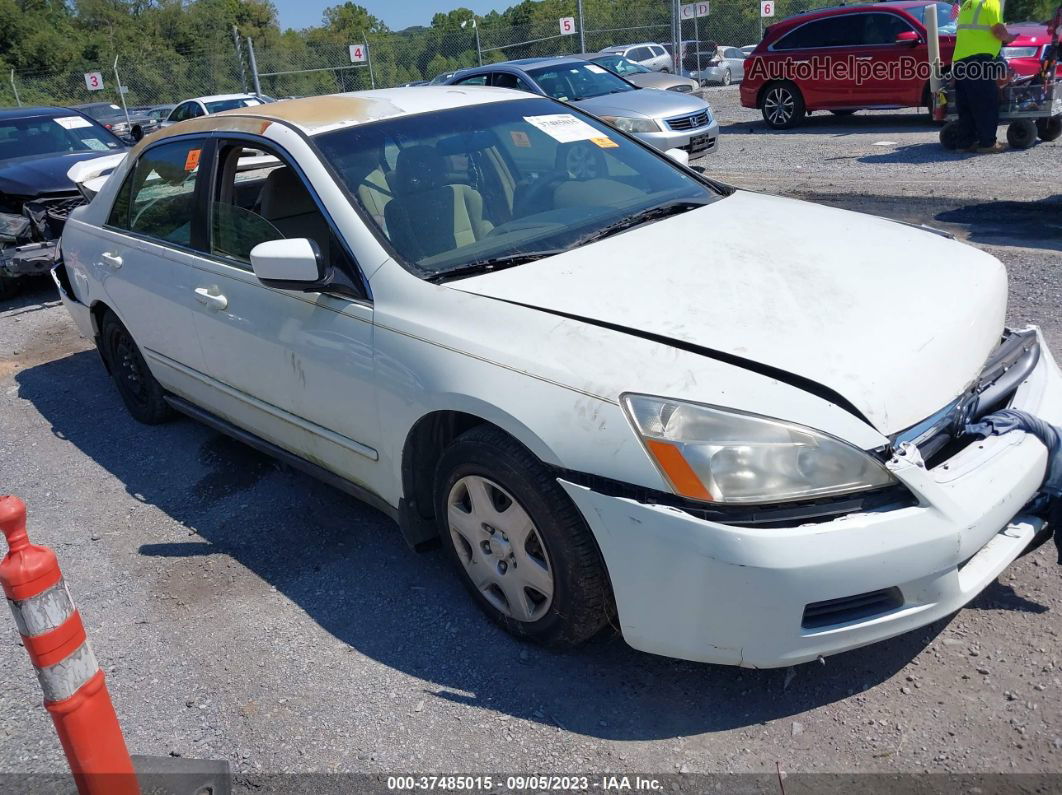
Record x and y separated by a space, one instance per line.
209 296
112 260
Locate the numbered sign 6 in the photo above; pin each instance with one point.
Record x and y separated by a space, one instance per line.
93 81
359 53
567 26
766 8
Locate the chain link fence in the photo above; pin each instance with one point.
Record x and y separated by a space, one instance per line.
304 66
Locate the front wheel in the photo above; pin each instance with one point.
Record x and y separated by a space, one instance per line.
783 106
1049 129
521 546
728 78
142 394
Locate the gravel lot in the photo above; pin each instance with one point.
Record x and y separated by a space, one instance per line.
246 612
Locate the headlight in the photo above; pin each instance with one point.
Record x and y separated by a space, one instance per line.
632 125
723 456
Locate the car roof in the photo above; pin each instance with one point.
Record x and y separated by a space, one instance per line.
220 97
314 115
25 112
615 47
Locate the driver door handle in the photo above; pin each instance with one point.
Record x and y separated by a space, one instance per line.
112 261
209 296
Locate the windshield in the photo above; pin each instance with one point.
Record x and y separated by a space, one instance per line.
620 65
947 15
231 104
478 184
53 135
574 81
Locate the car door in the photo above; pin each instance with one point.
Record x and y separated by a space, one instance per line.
144 253
293 367
889 83
818 54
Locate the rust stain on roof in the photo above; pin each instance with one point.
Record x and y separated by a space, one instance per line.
309 113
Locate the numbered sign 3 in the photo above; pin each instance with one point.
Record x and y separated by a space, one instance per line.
766 8
93 81
359 53
567 26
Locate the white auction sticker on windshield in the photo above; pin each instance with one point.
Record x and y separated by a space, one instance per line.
72 122
593 67
563 127
95 143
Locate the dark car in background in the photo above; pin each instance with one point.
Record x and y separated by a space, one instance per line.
802 64
109 115
38 146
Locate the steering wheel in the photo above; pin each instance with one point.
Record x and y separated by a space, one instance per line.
535 199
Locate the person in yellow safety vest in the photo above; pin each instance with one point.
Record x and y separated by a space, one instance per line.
976 66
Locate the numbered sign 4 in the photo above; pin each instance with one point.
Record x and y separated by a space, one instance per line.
359 53
766 8
93 81
567 26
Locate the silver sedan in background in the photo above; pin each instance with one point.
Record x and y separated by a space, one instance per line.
639 75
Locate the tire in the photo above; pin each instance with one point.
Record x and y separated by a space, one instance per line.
1049 129
1021 133
728 78
782 106
142 394
953 137
842 112
486 474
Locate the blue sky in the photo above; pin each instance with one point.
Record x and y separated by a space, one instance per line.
397 14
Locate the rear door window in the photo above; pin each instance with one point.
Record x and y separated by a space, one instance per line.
843 30
158 198
880 29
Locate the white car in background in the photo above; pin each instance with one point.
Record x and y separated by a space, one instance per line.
204 106
650 55
723 421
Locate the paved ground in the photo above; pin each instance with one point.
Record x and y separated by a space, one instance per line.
246 612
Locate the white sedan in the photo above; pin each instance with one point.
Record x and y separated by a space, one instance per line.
622 393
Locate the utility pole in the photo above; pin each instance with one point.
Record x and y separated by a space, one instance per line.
121 89
676 34
15 89
475 28
254 66
582 27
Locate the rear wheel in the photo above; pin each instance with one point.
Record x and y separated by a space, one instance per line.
520 545
727 79
1021 133
782 106
142 394
1049 129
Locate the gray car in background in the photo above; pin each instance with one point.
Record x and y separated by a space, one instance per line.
663 119
723 65
650 55
638 74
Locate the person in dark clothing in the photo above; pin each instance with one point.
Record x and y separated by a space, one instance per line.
980 33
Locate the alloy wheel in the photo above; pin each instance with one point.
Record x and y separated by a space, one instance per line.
581 163
500 548
779 105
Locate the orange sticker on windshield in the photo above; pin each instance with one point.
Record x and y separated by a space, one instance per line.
191 163
520 139
604 143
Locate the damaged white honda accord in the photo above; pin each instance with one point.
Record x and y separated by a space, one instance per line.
618 392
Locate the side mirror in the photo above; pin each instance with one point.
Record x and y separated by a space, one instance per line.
289 264
680 156
908 37
137 132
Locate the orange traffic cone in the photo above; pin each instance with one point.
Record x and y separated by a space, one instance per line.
74 691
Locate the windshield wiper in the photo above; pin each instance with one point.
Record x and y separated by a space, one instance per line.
492 264
644 217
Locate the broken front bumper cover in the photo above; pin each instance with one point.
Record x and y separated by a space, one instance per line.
31 259
702 590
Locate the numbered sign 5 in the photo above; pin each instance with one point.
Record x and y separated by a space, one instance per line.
359 53
93 81
766 8
567 26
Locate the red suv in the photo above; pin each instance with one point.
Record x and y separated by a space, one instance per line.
843 59
1024 53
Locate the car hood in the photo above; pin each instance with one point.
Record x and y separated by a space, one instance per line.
895 320
657 80
648 102
30 176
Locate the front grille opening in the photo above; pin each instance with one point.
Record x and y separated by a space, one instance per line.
851 608
688 122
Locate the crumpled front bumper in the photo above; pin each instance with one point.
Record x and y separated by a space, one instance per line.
699 590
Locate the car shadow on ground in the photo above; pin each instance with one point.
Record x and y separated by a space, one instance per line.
829 124
346 566
1036 224
33 291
